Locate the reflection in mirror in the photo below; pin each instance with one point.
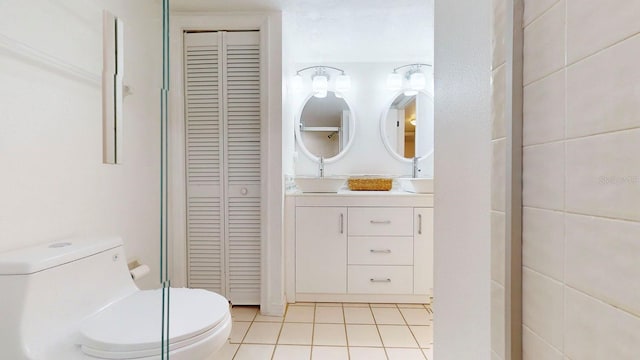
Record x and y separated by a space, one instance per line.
407 125
325 126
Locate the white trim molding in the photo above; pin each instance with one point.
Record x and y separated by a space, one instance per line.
270 26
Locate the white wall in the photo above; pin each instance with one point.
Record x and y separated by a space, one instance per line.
53 182
581 194
462 182
368 97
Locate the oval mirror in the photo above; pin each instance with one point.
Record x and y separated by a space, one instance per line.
406 125
325 127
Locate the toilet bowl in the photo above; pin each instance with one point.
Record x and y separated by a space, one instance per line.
130 328
74 299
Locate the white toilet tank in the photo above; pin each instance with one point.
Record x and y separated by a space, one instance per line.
47 290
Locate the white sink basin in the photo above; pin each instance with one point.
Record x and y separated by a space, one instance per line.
310 184
417 185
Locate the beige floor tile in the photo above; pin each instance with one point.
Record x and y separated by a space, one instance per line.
238 331
363 335
300 314
328 304
292 352
428 353
254 352
329 315
263 333
329 353
383 305
367 353
423 334
355 304
416 316
388 316
227 352
244 313
404 354
268 318
397 336
329 334
296 334
358 315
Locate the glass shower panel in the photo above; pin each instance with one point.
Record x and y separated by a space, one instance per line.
164 243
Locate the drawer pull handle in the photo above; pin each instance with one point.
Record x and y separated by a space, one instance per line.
385 251
419 224
341 223
387 280
381 221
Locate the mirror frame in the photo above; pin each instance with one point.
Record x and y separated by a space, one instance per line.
383 131
298 135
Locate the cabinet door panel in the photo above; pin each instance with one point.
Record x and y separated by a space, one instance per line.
423 251
321 250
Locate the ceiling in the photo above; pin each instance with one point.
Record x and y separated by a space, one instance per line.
343 30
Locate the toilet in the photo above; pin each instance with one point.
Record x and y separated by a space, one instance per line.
75 299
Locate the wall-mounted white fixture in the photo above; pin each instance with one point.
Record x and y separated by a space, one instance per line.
112 88
414 79
320 81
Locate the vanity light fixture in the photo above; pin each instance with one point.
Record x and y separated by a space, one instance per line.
415 79
320 81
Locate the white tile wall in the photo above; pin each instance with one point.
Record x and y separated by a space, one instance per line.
498 174
498 87
581 180
544 105
603 175
534 348
543 176
533 9
498 177
498 37
543 306
543 241
544 44
603 91
603 259
593 25
498 249
597 330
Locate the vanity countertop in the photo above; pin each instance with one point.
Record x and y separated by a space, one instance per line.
346 197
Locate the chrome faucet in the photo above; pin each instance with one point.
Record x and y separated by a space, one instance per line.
321 166
415 171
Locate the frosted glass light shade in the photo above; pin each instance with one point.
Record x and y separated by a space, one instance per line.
394 81
297 83
343 83
417 81
320 84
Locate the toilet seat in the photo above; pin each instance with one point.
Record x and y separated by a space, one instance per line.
131 327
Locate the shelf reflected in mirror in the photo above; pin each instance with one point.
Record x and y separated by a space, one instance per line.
325 126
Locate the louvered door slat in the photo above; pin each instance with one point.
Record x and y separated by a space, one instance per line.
205 207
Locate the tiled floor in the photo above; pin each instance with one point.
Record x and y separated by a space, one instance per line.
332 331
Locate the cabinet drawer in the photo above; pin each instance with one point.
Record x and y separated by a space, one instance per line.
380 279
381 221
382 250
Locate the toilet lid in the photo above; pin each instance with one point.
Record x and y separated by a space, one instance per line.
133 324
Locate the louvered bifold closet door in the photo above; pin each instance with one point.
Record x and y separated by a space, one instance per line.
203 82
242 157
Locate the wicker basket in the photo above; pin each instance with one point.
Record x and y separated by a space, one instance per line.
370 184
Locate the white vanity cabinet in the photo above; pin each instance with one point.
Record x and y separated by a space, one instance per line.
362 247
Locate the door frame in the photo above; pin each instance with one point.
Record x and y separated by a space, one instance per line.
270 26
